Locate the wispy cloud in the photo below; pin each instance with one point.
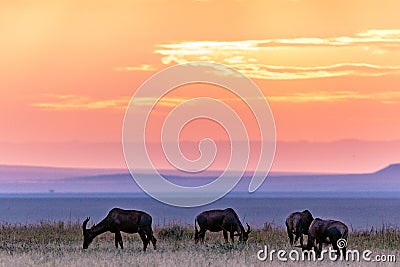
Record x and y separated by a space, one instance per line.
77 102
73 102
165 101
391 97
287 73
385 38
143 67
245 55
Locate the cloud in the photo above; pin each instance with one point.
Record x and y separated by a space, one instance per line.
391 97
74 102
165 101
261 71
246 57
370 38
143 67
366 38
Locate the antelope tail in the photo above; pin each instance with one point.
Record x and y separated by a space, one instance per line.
195 226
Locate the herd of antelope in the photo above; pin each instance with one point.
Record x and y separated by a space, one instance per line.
297 224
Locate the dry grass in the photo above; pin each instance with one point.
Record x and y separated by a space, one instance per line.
58 244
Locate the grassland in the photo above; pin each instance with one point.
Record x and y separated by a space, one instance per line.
59 244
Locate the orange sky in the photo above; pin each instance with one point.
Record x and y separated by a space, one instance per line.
329 69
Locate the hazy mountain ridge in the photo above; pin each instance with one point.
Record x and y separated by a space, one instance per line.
385 180
49 173
392 169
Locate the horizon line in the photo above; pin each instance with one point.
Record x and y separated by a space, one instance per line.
277 172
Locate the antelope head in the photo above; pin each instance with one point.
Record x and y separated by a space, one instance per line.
87 237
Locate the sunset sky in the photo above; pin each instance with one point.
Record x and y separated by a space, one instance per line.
330 70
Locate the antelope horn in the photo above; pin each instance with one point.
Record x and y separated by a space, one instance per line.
248 228
84 224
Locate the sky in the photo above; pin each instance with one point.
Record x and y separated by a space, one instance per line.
330 71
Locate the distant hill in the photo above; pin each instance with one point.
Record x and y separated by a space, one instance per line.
35 173
20 179
43 173
393 169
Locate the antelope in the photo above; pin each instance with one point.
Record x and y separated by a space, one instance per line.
117 220
328 232
220 220
297 223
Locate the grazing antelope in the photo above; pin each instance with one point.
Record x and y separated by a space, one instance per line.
328 232
220 220
297 223
117 221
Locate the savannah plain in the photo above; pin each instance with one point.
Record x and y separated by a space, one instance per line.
60 244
